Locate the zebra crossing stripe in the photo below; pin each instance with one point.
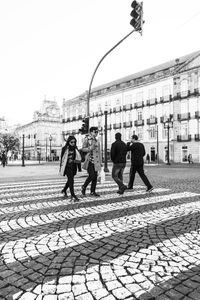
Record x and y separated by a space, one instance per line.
28 248
36 220
61 201
39 195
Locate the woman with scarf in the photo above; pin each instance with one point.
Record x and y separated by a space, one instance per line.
70 157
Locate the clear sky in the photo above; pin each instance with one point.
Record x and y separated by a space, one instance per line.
51 47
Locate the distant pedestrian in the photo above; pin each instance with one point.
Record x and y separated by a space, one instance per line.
118 157
4 159
92 162
148 158
137 163
70 157
190 159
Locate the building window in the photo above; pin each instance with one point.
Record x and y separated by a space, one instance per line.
152 132
128 99
139 96
166 90
140 133
184 85
152 93
184 106
184 128
117 102
139 115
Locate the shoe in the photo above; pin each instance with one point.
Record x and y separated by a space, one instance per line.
149 190
94 194
120 192
75 198
64 192
83 190
129 188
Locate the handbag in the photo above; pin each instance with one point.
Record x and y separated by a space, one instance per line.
77 157
101 178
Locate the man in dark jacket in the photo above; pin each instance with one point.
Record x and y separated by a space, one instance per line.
118 157
137 163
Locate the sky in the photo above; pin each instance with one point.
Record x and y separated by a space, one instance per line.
50 48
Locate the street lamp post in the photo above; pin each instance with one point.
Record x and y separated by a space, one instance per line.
105 142
46 149
23 164
157 142
168 123
50 140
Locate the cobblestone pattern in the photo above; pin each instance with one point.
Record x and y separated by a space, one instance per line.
139 246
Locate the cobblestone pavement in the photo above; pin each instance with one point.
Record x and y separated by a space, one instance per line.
136 246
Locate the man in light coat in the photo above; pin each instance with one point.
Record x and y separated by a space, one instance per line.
92 161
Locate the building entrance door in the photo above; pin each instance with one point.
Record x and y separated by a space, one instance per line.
153 154
184 154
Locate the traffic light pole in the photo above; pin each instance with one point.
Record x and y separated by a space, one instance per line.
89 91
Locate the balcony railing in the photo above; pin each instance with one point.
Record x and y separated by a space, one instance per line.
139 104
166 98
184 138
152 101
195 92
127 107
117 109
197 114
127 124
151 121
164 118
139 123
197 137
109 127
182 117
117 126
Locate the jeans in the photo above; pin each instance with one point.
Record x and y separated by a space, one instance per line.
140 170
117 174
92 177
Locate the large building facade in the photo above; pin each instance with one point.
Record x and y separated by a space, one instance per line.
42 137
161 105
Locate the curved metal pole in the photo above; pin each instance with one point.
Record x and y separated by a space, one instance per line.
89 91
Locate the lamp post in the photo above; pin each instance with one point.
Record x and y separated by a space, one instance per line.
23 136
105 141
50 140
157 144
46 149
168 123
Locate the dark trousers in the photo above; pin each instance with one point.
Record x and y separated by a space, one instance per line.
70 182
92 177
117 174
140 170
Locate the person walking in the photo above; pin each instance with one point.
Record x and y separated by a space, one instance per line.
190 159
137 163
70 157
148 158
92 163
4 159
118 157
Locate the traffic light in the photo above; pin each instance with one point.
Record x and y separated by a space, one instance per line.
137 15
85 126
29 136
